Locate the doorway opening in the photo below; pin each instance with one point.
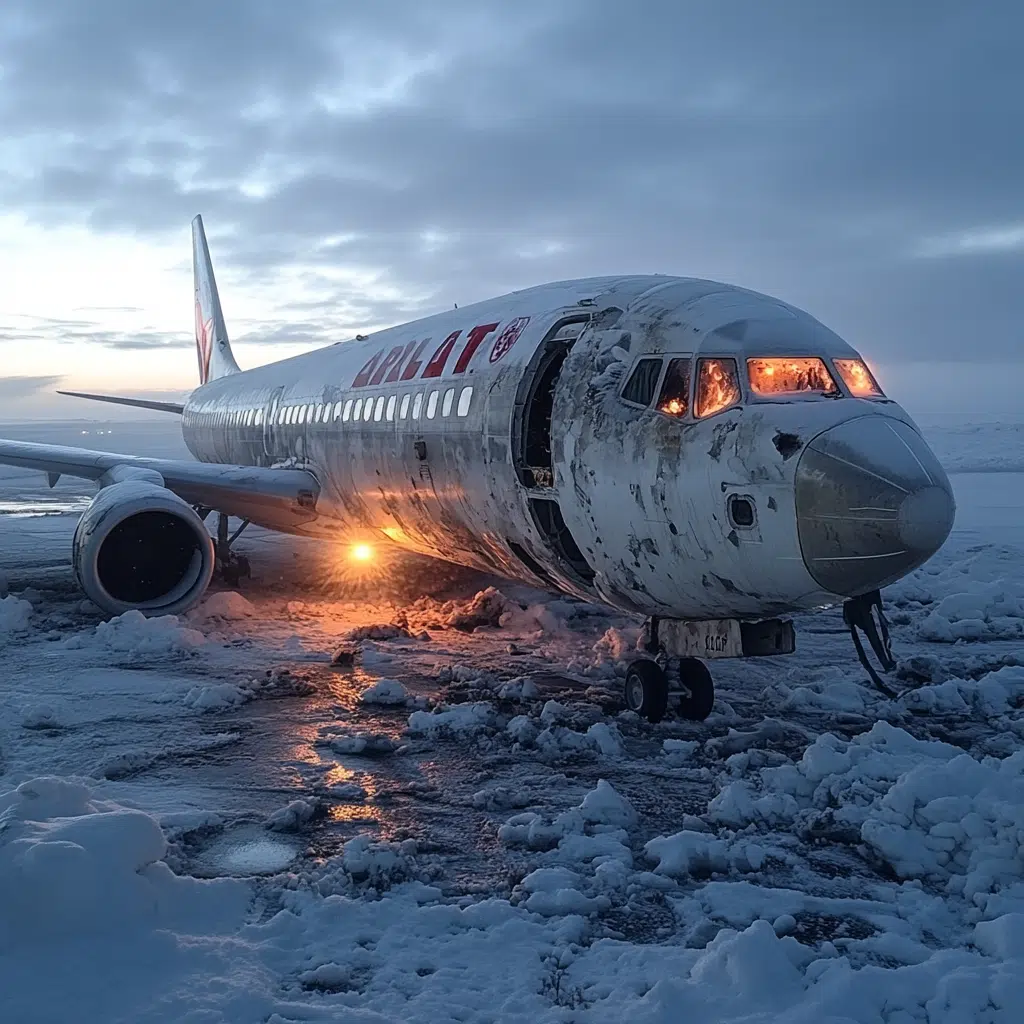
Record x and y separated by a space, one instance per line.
535 402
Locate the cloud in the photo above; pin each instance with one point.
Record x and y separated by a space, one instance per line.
1006 239
25 387
395 158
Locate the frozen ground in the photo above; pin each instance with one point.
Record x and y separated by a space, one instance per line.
272 811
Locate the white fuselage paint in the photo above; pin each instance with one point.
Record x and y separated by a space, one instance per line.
644 495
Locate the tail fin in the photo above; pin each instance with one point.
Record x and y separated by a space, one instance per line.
215 356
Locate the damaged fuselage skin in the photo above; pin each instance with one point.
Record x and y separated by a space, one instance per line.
603 437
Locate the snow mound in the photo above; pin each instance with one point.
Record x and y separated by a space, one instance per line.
604 806
216 697
461 719
227 605
294 815
133 633
387 692
993 695
586 836
74 865
695 853
925 808
367 860
42 716
361 743
14 616
978 597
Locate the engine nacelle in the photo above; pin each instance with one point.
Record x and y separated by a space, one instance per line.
138 545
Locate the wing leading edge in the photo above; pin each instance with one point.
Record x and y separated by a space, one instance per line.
137 403
271 497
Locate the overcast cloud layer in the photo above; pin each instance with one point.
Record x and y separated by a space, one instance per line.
863 160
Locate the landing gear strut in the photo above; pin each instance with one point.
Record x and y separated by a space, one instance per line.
230 567
865 613
647 687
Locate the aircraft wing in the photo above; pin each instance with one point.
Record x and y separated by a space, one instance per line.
262 494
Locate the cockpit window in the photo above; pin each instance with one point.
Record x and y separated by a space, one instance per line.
718 386
674 399
858 378
642 382
790 376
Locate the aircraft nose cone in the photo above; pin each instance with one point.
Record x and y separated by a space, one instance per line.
872 504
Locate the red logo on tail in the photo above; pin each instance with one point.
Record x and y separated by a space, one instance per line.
204 342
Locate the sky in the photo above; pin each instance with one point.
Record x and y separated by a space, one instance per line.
358 165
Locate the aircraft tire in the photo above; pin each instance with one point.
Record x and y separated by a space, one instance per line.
646 690
696 705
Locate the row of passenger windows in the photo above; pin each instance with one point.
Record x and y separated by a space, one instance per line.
718 382
377 408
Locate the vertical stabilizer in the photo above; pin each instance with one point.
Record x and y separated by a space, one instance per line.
214 349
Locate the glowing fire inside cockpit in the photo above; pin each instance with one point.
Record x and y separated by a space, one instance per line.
790 376
857 377
718 386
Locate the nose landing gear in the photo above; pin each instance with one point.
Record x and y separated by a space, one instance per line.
647 689
672 647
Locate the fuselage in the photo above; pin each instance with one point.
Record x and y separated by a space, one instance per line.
604 437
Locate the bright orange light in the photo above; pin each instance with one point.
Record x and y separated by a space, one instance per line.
717 386
858 378
362 553
789 376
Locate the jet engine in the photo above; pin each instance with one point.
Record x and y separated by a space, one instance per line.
138 545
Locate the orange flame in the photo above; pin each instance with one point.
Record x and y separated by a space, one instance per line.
789 376
717 387
858 378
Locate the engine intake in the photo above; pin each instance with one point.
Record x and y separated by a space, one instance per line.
138 545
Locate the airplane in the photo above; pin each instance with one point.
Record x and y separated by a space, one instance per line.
701 455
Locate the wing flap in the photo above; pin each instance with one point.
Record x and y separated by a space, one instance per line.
270 497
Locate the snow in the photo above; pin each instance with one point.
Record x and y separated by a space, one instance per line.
385 692
202 818
134 634
14 616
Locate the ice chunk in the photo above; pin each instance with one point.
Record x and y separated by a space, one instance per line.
463 719
294 815
386 692
14 616
604 806
133 633
228 605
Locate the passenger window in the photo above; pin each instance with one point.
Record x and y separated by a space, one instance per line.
378 409
642 382
348 410
358 409
337 410
674 399
449 399
432 404
301 418
718 386
309 413
404 409
417 404
367 410
790 376
280 416
390 414
464 399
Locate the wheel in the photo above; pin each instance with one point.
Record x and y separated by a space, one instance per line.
647 690
696 705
